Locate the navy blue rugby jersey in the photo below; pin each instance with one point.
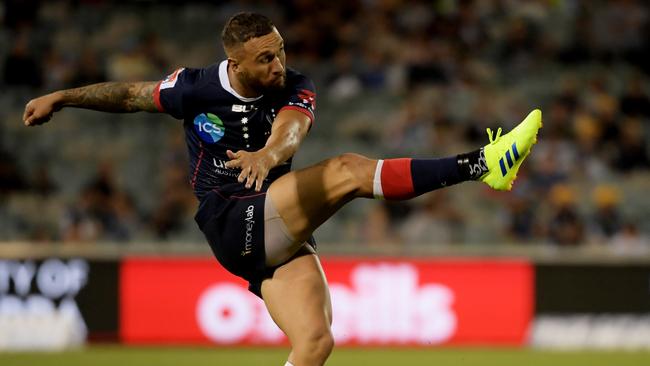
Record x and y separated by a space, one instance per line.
216 119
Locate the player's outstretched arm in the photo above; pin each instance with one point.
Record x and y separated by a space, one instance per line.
117 97
289 129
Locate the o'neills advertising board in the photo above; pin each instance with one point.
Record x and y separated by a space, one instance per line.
375 302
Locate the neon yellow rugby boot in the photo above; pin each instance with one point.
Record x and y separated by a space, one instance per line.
504 154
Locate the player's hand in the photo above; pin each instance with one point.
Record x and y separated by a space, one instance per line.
254 166
40 110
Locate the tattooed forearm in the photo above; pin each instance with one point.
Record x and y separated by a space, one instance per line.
112 97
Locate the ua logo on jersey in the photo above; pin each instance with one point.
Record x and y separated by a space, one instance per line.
209 127
511 163
242 108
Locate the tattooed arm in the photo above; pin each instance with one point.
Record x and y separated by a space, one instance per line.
118 97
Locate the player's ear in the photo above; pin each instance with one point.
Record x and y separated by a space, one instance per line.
235 56
233 64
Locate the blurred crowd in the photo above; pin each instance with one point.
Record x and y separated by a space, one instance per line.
394 78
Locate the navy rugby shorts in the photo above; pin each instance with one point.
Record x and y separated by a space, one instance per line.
234 228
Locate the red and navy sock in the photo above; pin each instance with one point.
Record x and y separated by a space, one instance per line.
400 179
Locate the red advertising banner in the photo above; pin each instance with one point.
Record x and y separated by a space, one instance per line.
375 302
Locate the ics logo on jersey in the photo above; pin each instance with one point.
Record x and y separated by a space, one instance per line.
209 127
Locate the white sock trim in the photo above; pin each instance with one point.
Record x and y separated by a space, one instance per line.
288 364
376 186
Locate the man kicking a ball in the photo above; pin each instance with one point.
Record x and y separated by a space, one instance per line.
244 118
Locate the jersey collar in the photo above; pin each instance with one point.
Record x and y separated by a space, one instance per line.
225 83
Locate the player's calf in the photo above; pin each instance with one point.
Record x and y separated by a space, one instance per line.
495 164
401 179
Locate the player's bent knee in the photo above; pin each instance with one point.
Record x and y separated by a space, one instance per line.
316 347
323 347
353 169
351 161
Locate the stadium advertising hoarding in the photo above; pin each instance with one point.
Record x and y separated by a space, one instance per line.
375 301
579 288
54 303
599 306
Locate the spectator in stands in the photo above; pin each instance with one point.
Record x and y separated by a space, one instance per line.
126 221
57 70
41 182
170 216
566 227
521 217
630 242
377 229
90 69
20 14
381 226
373 75
589 151
436 220
606 220
635 102
11 179
133 63
604 106
549 169
632 151
344 82
21 68
102 213
558 120
410 132
81 222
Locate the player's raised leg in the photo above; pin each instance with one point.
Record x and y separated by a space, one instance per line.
308 197
298 300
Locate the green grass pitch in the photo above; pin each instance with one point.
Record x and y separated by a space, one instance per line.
164 356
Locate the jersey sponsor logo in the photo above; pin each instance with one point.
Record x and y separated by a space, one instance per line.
242 108
209 127
248 236
221 168
171 79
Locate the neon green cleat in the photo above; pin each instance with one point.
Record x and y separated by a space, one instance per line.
504 154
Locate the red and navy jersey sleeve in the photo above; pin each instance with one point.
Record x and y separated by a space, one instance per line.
169 94
301 96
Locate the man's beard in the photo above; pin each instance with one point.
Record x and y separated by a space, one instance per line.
257 86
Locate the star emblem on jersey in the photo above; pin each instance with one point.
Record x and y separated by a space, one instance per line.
209 127
244 120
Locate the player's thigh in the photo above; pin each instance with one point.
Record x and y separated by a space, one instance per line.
297 297
308 197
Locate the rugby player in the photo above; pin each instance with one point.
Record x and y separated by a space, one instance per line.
244 118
